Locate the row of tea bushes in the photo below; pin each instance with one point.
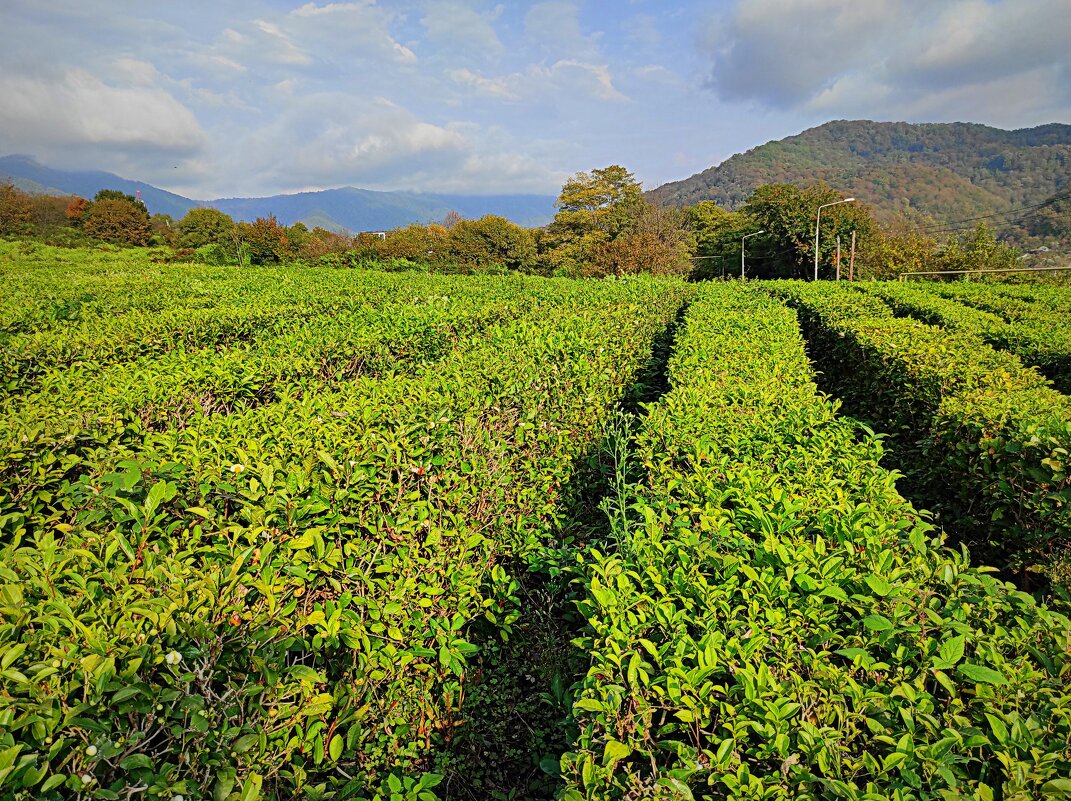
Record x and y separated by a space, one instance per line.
1031 305
983 440
243 311
774 621
1039 318
56 434
1045 347
278 602
58 287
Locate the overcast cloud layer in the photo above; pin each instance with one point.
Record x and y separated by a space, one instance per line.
245 98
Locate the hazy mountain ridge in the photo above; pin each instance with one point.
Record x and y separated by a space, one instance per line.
946 170
346 208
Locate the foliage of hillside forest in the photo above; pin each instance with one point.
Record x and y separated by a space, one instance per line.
947 171
604 226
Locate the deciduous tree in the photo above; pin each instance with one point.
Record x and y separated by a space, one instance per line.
492 240
120 222
205 226
16 211
265 240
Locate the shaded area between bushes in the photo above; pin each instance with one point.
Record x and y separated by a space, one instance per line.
519 719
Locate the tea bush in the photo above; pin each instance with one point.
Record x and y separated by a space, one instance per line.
1043 345
277 599
983 439
774 621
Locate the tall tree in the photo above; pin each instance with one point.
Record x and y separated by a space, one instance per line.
265 240
205 226
788 214
120 222
492 240
16 211
593 208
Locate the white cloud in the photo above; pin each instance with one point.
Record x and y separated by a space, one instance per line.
593 78
893 58
333 139
657 73
136 71
546 83
216 63
78 108
347 31
504 87
459 26
313 10
282 49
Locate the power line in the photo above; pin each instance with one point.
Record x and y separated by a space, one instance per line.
1025 211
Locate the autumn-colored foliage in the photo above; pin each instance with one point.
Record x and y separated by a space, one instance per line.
119 222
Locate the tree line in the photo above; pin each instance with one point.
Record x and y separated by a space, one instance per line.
603 226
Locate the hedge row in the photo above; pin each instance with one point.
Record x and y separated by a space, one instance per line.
982 439
774 621
281 601
86 413
1043 346
241 313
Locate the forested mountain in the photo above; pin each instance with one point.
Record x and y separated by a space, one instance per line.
947 171
347 208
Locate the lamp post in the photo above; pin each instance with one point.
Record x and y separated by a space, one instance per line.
745 236
817 222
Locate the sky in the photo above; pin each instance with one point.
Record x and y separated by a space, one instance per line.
257 97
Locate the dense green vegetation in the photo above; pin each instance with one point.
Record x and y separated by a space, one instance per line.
944 171
982 439
246 548
604 225
1042 339
280 531
772 620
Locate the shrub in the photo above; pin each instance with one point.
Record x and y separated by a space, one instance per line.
775 621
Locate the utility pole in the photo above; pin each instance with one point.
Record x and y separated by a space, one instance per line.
851 260
838 257
744 237
818 222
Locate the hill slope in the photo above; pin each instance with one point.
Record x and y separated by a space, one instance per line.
947 170
347 208
87 183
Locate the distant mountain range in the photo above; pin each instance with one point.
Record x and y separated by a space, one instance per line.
345 209
946 171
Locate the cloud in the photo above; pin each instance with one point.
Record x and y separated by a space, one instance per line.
336 139
136 71
505 87
894 57
555 26
540 83
78 108
347 32
462 28
593 78
657 73
277 46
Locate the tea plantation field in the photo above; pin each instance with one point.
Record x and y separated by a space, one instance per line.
335 534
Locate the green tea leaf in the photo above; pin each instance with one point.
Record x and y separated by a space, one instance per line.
877 623
614 752
981 675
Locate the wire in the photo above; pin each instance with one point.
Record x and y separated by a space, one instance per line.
1027 211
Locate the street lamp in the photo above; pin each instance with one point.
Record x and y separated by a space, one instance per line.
745 236
817 221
